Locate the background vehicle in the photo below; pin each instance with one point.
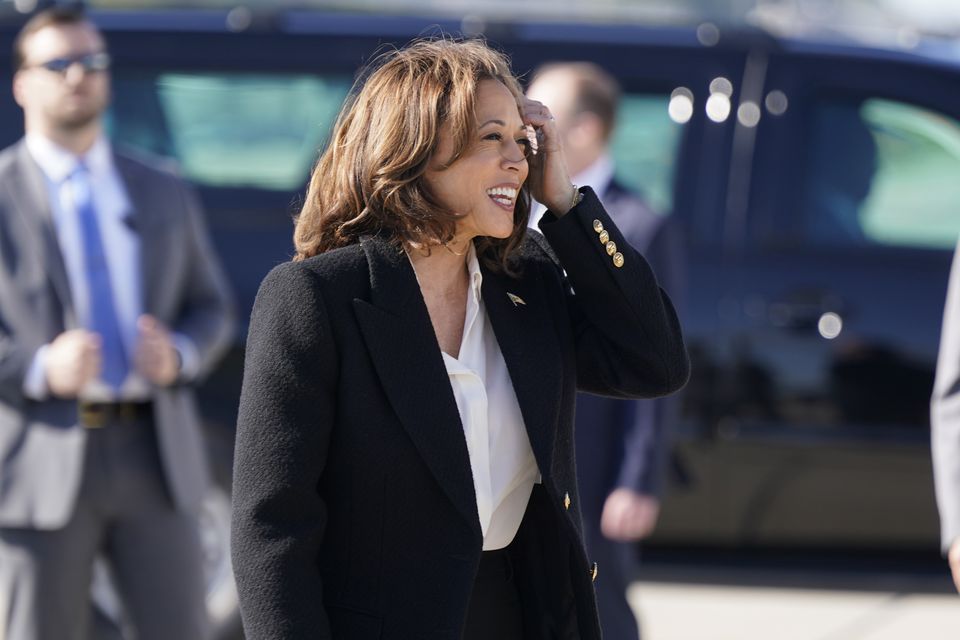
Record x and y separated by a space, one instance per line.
816 184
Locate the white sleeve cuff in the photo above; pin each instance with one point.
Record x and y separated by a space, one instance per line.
35 382
189 357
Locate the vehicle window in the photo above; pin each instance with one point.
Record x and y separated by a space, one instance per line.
645 145
882 172
237 130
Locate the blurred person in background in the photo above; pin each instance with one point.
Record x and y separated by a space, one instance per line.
404 459
945 425
621 444
112 305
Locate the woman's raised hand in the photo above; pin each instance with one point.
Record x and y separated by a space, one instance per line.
549 179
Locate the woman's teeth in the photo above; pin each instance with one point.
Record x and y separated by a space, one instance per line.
502 195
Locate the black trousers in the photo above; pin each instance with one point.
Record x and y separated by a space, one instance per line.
494 611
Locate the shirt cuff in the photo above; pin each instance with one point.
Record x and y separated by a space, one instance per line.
189 356
35 382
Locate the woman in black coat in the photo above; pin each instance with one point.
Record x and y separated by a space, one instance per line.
404 461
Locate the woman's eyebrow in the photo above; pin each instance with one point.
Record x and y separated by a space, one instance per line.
521 128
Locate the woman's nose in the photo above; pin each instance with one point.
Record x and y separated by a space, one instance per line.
513 152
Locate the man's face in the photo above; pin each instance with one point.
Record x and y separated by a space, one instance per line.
556 90
64 100
581 134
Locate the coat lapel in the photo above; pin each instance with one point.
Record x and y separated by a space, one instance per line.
29 193
404 349
142 219
520 316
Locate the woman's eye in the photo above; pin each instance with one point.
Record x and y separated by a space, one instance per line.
493 136
524 144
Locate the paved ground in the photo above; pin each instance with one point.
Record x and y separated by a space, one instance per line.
683 605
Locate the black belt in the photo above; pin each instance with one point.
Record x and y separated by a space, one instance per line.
94 415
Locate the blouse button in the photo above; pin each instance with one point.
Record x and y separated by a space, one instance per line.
597 226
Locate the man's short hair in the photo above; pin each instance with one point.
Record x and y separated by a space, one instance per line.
54 16
595 90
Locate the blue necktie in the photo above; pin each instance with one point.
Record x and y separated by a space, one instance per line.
103 315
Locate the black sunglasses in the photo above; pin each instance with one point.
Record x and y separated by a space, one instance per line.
91 62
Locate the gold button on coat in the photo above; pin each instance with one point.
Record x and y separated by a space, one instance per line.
611 248
604 237
566 500
593 572
597 226
618 260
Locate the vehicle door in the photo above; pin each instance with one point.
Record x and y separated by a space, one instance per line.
846 225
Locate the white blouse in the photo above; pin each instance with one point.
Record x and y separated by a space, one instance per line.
501 459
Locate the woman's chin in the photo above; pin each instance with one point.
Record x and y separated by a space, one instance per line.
501 234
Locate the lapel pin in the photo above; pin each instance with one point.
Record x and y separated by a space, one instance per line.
515 299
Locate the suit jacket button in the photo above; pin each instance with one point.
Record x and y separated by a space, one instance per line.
593 572
604 237
618 260
566 500
597 226
611 248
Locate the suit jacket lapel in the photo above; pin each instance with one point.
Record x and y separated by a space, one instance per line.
29 192
403 346
520 316
143 220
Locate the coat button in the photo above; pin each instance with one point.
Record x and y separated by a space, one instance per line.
618 260
604 237
593 572
597 226
566 500
611 248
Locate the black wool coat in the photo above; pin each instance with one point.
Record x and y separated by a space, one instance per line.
354 509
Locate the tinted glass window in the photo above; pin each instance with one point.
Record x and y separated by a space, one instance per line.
645 146
265 130
882 173
247 130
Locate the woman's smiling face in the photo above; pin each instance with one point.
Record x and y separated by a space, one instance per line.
484 184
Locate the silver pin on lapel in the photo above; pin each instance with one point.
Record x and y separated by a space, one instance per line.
515 299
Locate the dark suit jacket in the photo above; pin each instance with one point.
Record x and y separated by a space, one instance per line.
354 509
41 444
623 443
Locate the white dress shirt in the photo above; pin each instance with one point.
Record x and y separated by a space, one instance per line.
501 459
122 251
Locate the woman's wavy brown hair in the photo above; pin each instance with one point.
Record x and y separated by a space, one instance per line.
370 178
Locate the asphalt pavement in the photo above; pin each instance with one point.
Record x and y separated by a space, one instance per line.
686 603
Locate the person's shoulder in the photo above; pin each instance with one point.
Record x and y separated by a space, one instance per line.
9 156
12 156
147 163
342 269
17 170
536 250
619 195
335 264
632 212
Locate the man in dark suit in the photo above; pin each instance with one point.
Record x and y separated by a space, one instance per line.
111 305
620 444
